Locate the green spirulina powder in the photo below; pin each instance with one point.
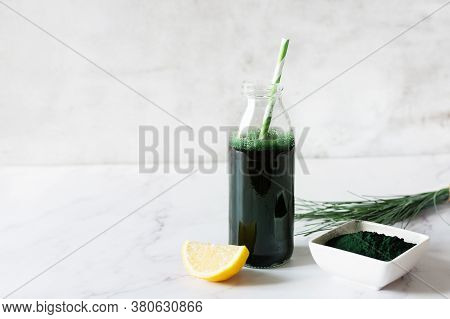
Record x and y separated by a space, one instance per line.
369 244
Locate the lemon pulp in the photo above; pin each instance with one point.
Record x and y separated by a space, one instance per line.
213 262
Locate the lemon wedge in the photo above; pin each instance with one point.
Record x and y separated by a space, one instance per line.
213 262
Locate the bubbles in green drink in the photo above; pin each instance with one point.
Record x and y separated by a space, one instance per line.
275 139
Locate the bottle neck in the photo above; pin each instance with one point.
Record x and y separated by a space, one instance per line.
261 99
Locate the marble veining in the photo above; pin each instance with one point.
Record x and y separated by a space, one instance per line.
47 212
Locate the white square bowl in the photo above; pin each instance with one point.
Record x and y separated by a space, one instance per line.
365 270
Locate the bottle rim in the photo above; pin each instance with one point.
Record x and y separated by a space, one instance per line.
261 89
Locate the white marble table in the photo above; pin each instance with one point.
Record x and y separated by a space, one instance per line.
59 215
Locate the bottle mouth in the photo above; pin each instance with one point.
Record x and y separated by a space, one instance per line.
261 90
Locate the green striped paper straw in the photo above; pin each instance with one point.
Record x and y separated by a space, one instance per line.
275 81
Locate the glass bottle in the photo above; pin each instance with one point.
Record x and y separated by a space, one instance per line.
261 184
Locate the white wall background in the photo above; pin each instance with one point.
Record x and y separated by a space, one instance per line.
190 57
